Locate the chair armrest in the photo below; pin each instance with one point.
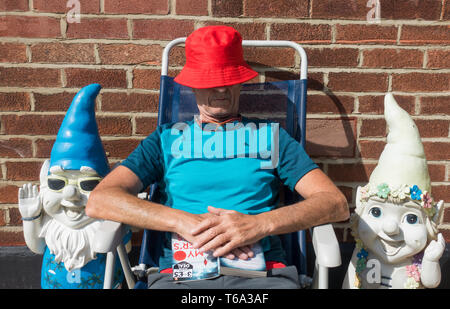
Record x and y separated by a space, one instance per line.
109 235
326 246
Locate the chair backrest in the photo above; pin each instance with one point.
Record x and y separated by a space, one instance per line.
285 101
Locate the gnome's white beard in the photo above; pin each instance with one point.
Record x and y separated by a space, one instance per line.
72 247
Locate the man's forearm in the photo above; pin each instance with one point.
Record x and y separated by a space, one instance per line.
320 208
230 229
116 204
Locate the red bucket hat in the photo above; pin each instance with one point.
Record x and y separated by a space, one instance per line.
214 58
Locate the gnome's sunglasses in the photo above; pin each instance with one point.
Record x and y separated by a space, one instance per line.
85 184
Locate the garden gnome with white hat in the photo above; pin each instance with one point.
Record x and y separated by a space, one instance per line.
54 220
395 222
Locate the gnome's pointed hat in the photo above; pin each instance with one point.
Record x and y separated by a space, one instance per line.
403 158
78 141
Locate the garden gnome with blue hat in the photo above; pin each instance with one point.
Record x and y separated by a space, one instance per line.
54 220
395 221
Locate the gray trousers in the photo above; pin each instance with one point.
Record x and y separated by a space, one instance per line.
278 278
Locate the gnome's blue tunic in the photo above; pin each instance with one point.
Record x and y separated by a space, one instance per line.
78 144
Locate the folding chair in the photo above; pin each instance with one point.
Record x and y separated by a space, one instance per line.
177 103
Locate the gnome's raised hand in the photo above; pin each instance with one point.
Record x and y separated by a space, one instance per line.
30 204
435 249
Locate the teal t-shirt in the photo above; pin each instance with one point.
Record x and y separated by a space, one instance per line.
239 166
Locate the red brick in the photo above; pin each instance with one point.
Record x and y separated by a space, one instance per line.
392 58
227 8
192 7
86 6
348 193
146 79
331 104
130 102
30 26
438 59
2 216
373 128
437 172
130 54
108 78
446 219
52 102
8 194
332 57
63 53
274 57
120 148
98 28
29 77
248 31
372 104
433 128
145 125
446 10
371 149
418 82
13 5
11 238
109 125
441 192
162 29
331 137
301 33
14 101
31 124
350 172
435 105
177 56
346 81
315 80
15 218
414 35
15 148
13 53
279 9
136 7
44 147
406 9
436 150
23 170
339 9
366 34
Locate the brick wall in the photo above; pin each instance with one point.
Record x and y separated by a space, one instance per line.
45 59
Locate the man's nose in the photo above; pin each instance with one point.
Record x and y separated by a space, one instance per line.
71 193
221 89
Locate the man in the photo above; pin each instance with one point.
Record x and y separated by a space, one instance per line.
218 199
